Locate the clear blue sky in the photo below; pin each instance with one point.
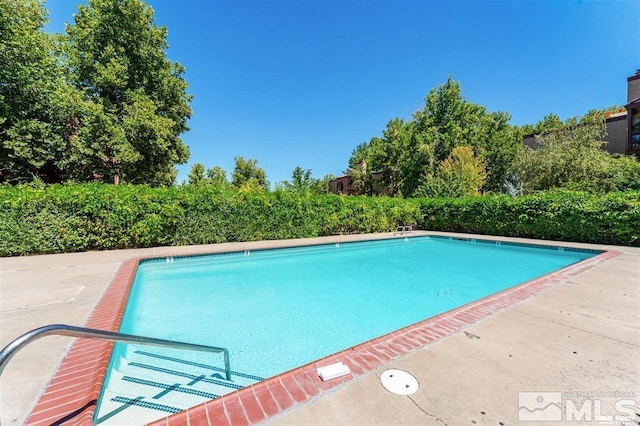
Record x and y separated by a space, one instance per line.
301 83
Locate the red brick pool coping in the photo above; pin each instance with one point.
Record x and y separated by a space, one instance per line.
72 394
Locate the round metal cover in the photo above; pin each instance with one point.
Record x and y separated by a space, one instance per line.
399 382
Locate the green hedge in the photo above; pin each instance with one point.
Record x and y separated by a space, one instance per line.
67 218
612 218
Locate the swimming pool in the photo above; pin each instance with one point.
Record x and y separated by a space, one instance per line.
278 309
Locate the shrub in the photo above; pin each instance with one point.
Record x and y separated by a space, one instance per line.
612 218
68 218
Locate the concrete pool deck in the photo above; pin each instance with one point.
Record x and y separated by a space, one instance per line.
582 335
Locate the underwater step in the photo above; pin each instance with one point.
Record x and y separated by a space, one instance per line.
147 386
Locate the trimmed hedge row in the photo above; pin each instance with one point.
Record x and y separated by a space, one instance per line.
612 218
68 218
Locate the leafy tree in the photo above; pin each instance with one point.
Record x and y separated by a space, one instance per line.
563 157
217 177
196 175
117 56
552 122
460 174
393 155
548 122
247 174
448 120
409 151
611 174
301 181
321 186
361 179
38 108
358 154
569 154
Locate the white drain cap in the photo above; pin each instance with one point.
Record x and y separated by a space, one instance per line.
399 382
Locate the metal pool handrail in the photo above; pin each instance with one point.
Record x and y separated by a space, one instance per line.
404 229
69 330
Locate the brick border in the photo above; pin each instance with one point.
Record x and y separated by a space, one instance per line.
73 392
71 395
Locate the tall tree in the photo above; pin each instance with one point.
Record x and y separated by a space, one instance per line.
409 151
321 186
392 155
38 108
247 174
140 105
301 181
460 174
448 120
196 175
359 153
564 157
217 177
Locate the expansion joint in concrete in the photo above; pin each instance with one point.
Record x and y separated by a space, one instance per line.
436 418
577 328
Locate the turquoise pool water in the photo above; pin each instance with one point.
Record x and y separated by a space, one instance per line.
279 309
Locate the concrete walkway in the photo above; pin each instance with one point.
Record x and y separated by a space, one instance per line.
581 336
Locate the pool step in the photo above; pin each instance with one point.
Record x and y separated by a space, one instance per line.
146 386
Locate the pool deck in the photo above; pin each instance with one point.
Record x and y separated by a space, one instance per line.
581 336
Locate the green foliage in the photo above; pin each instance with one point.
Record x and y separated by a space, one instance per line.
559 215
196 174
460 174
610 174
37 105
301 181
409 151
359 153
85 217
321 186
117 57
569 155
548 122
563 158
247 175
67 218
99 103
391 155
552 122
448 120
407 160
217 177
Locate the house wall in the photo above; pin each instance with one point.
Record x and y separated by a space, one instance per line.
633 87
616 135
530 141
341 185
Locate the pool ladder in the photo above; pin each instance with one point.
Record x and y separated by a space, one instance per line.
402 230
68 330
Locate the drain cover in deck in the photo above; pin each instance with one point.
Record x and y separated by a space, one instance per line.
399 382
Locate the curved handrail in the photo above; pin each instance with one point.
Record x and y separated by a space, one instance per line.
402 229
69 330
